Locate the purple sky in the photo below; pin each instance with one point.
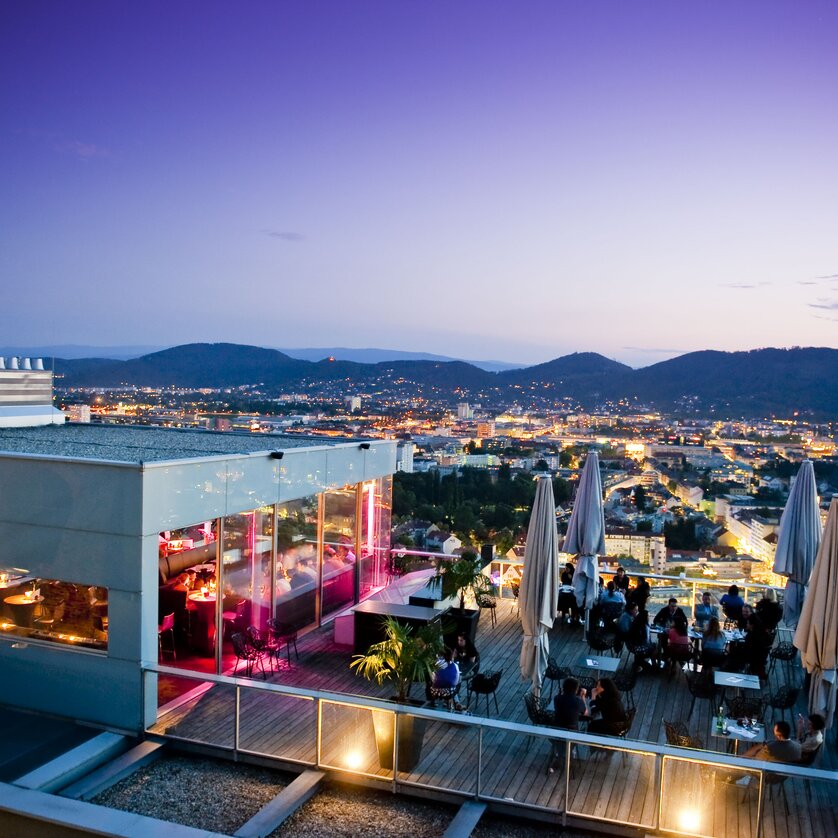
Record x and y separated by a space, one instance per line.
482 179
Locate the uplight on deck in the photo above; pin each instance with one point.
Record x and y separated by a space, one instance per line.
689 820
353 760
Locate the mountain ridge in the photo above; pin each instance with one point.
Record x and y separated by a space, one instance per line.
758 381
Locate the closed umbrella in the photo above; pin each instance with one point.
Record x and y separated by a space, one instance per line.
586 532
538 596
817 631
798 540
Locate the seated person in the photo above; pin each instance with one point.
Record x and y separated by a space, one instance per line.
810 735
622 628
611 595
447 675
769 610
570 705
782 749
704 610
677 644
607 709
744 616
639 641
752 651
713 643
622 580
732 603
464 653
670 614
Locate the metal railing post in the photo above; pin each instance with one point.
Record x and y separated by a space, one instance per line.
479 761
760 802
319 733
567 754
395 751
236 730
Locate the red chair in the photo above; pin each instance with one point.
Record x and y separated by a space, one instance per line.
167 627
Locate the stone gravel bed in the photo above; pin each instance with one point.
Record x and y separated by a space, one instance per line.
205 793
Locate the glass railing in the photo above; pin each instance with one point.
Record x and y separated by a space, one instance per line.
568 773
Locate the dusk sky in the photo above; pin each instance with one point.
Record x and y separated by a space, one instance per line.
506 180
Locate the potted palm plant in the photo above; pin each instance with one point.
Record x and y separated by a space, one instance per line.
459 578
407 654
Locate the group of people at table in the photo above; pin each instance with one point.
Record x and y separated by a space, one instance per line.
743 644
668 638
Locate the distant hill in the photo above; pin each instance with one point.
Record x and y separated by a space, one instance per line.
756 383
377 356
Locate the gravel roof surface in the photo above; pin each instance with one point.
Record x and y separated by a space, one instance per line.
205 793
136 444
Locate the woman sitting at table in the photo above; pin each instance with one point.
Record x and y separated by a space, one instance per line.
607 709
464 653
713 643
640 643
678 648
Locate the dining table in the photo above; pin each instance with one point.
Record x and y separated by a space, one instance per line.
23 608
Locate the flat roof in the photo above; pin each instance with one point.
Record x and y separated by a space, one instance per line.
137 444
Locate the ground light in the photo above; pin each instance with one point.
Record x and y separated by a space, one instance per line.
689 820
353 760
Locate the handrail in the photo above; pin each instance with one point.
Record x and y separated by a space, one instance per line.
504 726
718 583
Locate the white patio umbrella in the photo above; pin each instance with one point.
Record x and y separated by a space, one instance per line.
817 631
798 540
538 596
586 532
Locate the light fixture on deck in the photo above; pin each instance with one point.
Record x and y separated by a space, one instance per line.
353 760
277 455
364 446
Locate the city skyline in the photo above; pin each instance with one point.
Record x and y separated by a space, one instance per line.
485 181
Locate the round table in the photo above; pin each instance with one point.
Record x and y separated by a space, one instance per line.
22 608
204 637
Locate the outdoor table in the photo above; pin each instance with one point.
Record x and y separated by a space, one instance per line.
736 733
736 680
204 637
22 608
596 663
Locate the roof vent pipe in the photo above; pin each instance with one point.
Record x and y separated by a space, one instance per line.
13 365
39 364
27 364
2 363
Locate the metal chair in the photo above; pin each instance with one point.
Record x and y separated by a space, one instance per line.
785 652
486 602
742 707
625 682
261 643
701 685
446 694
284 635
487 685
167 627
784 699
554 674
677 733
600 641
245 652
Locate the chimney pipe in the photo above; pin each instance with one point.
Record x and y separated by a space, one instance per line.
13 365
27 364
39 364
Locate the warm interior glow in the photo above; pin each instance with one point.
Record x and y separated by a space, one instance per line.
353 760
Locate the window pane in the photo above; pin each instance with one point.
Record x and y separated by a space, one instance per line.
54 611
247 570
338 550
297 563
375 534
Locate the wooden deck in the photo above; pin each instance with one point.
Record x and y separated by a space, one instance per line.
604 784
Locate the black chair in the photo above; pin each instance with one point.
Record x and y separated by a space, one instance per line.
487 603
677 733
701 685
712 659
262 644
785 652
245 652
784 699
625 682
167 627
487 685
283 635
446 694
539 715
742 707
600 641
554 674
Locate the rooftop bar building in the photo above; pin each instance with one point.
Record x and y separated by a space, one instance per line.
110 534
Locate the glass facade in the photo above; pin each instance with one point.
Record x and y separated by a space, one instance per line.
54 611
297 561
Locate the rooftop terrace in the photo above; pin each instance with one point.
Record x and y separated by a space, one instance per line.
500 762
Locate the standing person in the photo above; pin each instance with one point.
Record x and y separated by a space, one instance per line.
769 610
732 603
705 610
622 580
640 593
567 598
